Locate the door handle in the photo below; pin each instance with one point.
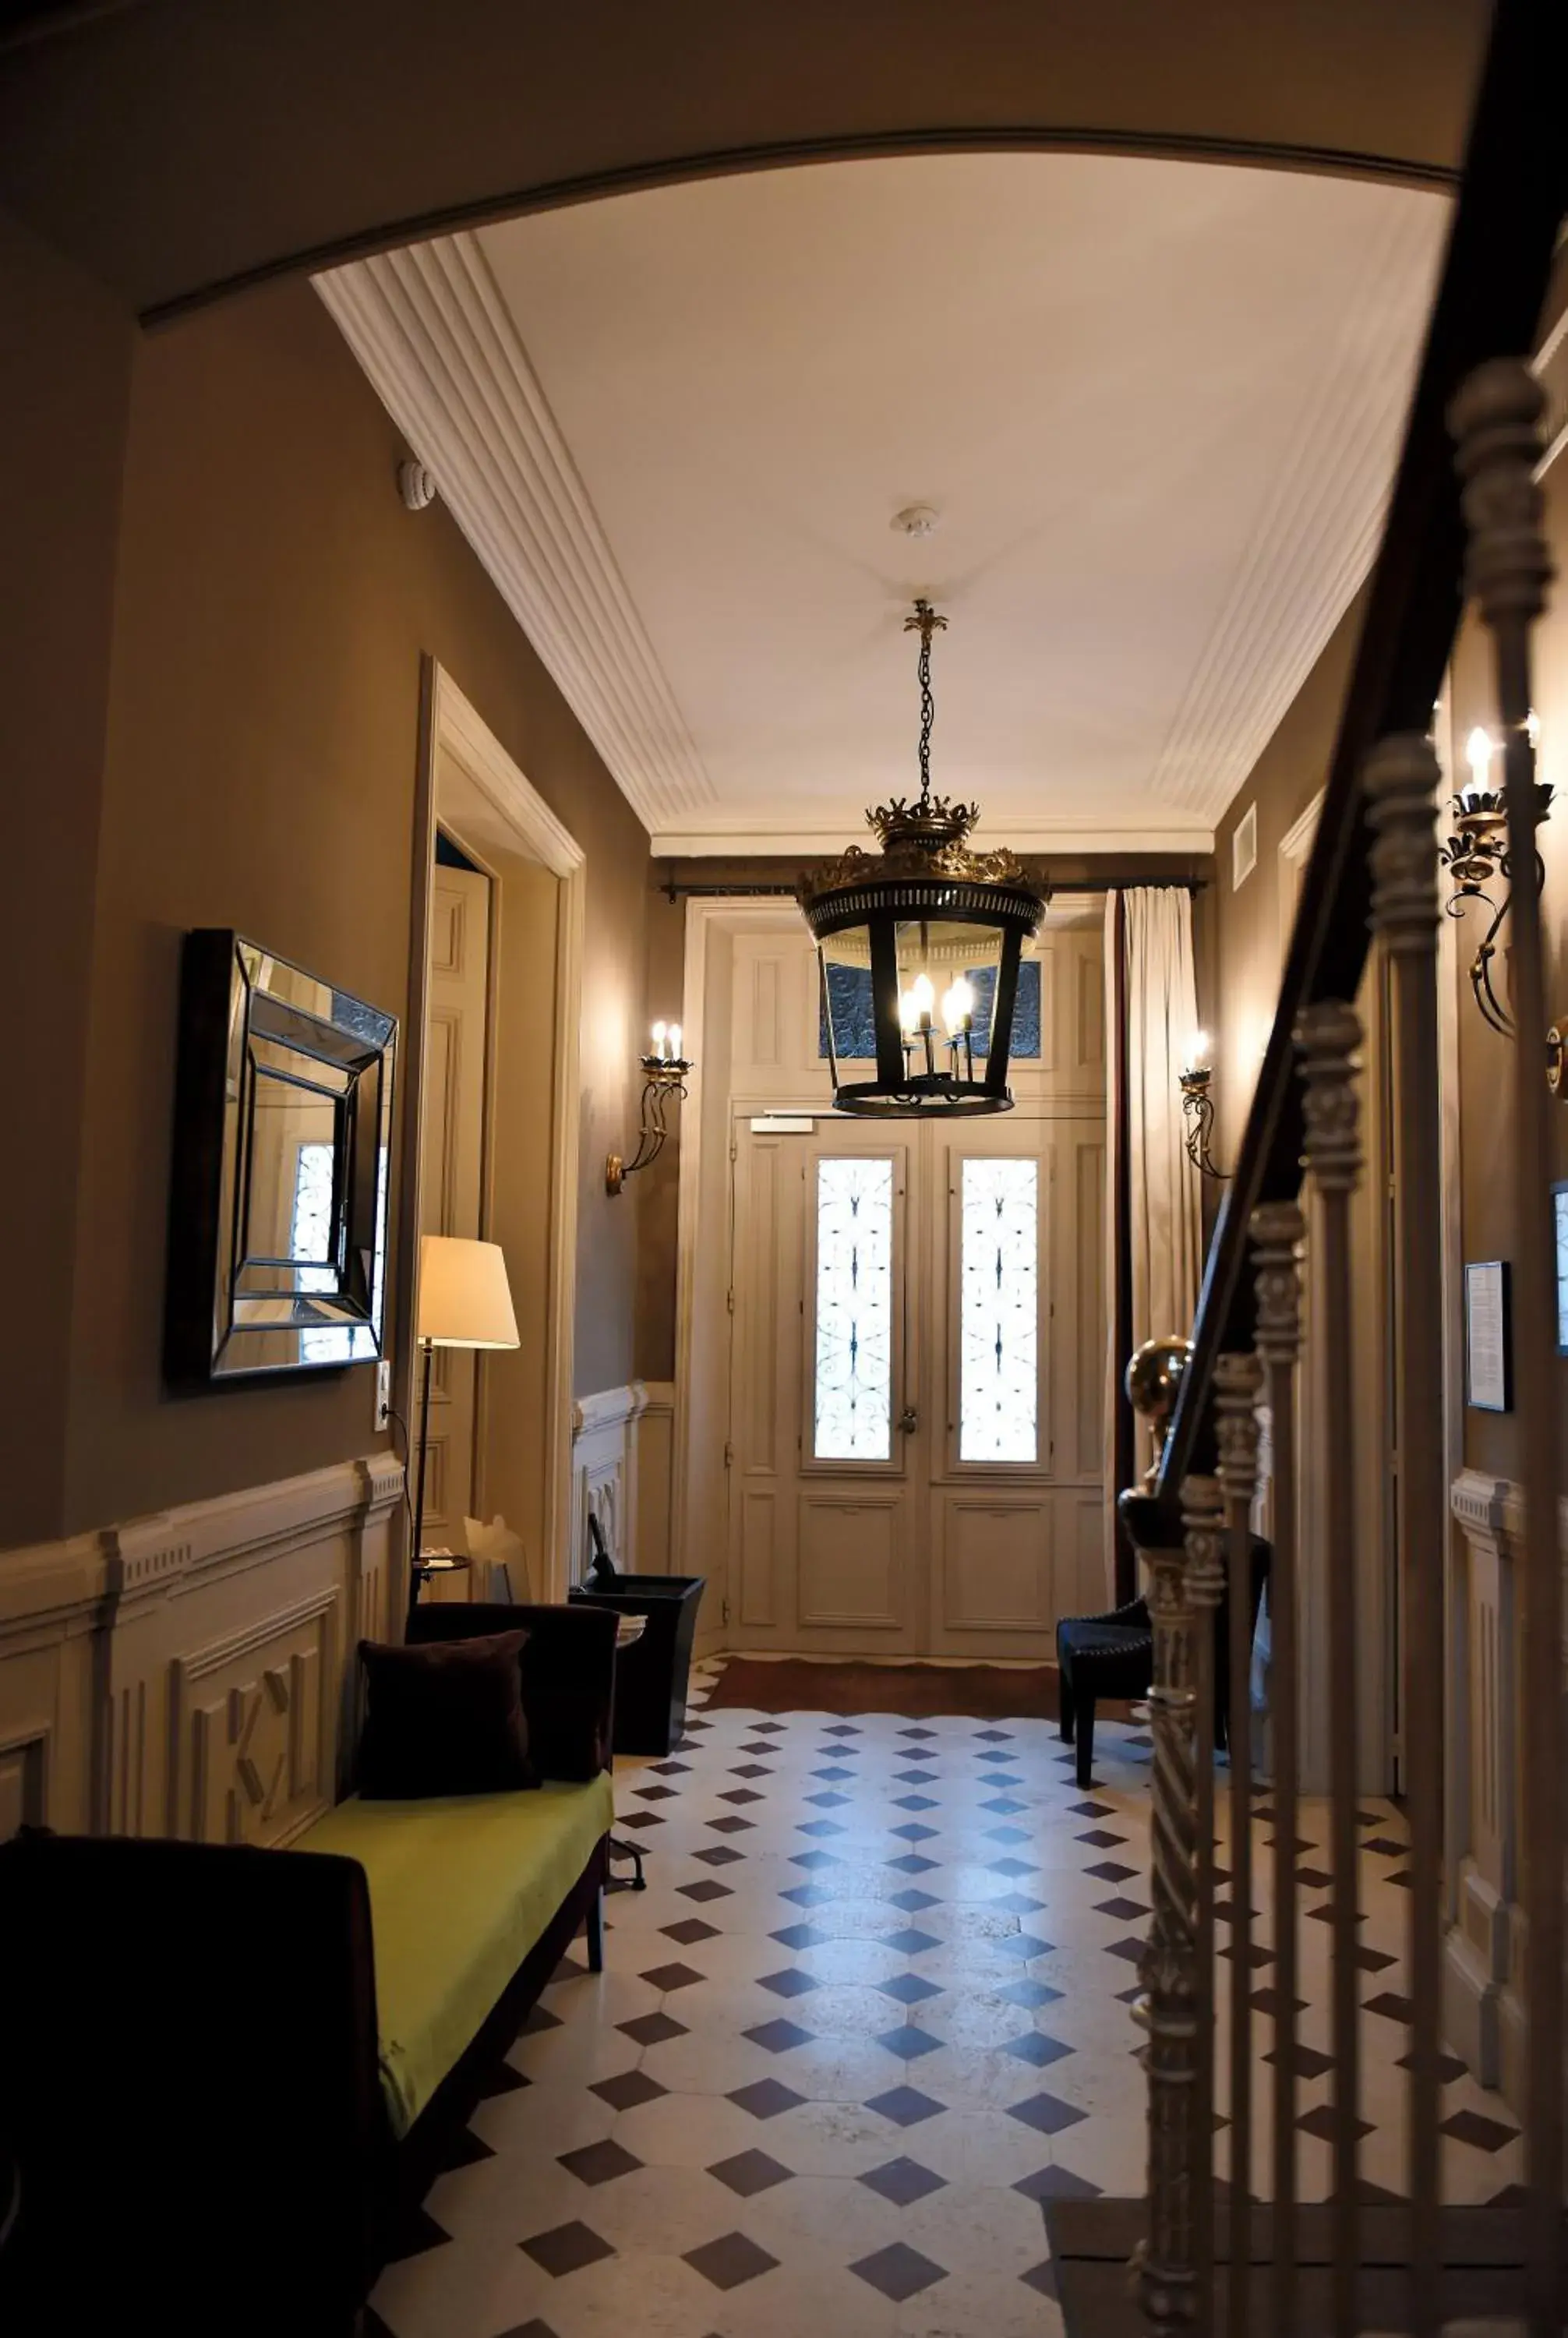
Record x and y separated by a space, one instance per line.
909 1421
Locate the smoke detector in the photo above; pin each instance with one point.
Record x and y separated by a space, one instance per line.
916 520
416 486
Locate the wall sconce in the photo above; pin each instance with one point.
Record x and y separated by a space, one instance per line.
664 1070
1198 1107
1477 858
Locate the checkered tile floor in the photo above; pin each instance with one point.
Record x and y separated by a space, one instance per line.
870 2012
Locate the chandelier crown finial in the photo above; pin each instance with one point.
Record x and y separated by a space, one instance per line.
931 824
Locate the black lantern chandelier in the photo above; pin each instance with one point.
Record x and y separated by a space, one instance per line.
919 948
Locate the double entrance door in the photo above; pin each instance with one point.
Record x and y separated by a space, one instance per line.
918 1384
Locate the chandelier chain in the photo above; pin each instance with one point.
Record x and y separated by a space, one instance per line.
925 622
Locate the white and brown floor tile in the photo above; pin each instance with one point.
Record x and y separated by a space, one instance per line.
871 2011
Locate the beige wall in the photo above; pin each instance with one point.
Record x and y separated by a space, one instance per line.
272 601
1251 924
64 383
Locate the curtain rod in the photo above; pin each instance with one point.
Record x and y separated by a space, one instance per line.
675 891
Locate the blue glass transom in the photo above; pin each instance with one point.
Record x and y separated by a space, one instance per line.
855 1030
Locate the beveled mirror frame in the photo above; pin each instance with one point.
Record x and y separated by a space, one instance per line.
254 1029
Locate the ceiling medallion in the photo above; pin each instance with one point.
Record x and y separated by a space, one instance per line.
919 948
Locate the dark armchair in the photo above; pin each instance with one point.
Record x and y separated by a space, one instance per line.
1113 1656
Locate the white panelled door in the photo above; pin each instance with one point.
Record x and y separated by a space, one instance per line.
917 1378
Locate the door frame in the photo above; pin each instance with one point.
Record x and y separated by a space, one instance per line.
703 1324
702 1315
469 785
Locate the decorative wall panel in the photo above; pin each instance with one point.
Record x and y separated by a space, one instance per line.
621 1444
997 1566
251 1731
190 1673
1481 2004
759 1557
851 1575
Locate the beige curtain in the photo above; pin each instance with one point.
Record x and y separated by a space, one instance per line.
1115 1113
1162 1002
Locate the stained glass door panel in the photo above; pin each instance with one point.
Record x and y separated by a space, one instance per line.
852 1384
999 1310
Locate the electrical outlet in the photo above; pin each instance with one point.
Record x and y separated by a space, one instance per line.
383 1395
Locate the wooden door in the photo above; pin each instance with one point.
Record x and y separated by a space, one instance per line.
826 1513
938 1537
918 1368
1012 1297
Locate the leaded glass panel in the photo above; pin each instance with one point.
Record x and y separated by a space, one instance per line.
999 1275
854 1360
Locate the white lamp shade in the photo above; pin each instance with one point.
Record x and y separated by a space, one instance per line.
465 1298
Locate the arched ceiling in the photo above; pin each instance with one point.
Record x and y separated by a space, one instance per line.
1155 404
177 148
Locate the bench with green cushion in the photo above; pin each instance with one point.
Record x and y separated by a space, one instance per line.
226 2073
461 1891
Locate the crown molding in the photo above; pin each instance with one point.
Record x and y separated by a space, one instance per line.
434 338
1316 536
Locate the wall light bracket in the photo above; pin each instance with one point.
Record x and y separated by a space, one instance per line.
664 1076
1198 1109
1475 857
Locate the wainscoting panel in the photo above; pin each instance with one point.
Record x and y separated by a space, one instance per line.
995 1571
191 1674
251 1731
1483 2010
621 1448
854 1574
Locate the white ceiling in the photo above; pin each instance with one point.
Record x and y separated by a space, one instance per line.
1156 404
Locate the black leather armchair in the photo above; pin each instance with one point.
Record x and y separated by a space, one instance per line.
1113 1656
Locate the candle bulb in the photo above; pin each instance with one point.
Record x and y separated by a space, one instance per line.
659 1040
674 1043
959 1006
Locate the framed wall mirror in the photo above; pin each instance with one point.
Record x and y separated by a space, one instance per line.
282 1135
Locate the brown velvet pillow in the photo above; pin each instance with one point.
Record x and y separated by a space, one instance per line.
443 1718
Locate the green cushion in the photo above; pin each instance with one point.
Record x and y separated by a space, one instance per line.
460 1891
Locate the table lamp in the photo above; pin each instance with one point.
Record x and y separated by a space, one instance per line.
464 1301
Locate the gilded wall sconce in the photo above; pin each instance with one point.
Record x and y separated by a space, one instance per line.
665 1071
1198 1107
1477 858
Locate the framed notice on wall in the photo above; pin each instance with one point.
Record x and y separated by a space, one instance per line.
1488 1336
1560 1257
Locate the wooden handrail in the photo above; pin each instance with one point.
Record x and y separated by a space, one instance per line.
1512 200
